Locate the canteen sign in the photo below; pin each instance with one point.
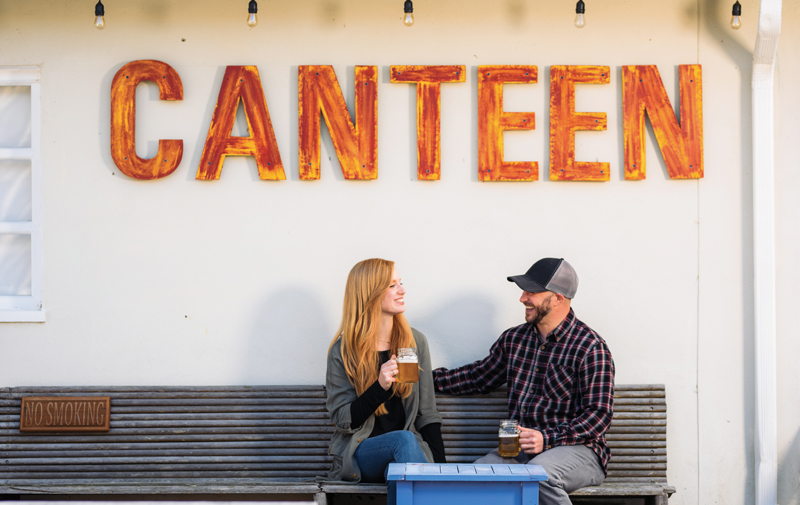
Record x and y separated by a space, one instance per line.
356 139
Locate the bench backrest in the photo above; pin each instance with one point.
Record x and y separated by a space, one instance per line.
273 432
637 436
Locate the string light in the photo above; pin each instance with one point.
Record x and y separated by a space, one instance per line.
252 19
99 12
736 20
408 8
580 8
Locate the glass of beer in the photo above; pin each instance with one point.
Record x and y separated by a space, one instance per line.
407 365
509 438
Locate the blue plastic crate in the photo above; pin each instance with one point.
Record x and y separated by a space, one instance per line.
456 484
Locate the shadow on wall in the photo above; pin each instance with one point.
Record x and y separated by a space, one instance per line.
458 331
289 341
789 474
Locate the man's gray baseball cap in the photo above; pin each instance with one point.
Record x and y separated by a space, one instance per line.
549 274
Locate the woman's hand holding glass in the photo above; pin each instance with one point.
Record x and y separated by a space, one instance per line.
388 373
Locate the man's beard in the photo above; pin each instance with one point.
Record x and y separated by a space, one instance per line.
541 311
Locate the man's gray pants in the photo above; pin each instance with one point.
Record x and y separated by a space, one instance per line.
568 467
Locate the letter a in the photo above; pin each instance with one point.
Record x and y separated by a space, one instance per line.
241 83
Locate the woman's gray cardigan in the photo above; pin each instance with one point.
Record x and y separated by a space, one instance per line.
420 409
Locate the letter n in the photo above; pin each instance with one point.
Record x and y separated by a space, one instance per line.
27 418
681 144
123 119
241 83
356 145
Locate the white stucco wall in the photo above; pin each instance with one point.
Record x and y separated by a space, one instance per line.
239 281
788 244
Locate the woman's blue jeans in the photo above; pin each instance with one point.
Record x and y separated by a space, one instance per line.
374 455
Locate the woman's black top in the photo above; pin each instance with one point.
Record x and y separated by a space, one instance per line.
395 418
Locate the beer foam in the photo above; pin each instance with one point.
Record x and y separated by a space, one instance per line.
508 435
407 359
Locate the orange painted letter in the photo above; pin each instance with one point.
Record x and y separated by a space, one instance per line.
123 119
241 83
429 105
681 144
493 121
356 146
564 121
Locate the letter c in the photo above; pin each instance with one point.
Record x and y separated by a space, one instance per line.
123 119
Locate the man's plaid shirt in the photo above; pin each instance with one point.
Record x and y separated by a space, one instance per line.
562 386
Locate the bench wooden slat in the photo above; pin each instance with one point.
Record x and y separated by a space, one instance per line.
638 459
641 393
114 452
150 391
634 436
636 473
163 446
155 459
124 487
184 430
624 402
116 438
249 417
657 480
621 451
623 490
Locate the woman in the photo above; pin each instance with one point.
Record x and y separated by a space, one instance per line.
378 420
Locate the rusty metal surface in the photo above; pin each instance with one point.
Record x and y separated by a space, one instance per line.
356 144
681 144
123 119
429 81
564 122
493 121
241 84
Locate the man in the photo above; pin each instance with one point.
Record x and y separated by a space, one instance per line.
560 378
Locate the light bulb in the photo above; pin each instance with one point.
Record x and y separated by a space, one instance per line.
252 19
408 8
736 20
580 8
99 12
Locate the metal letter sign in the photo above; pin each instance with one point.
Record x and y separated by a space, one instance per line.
355 138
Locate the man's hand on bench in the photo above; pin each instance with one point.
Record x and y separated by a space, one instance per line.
530 440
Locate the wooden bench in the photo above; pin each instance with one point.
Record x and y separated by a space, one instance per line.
271 440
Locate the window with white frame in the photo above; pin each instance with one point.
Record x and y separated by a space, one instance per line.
20 196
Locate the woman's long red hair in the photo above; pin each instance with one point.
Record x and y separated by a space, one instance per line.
366 284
